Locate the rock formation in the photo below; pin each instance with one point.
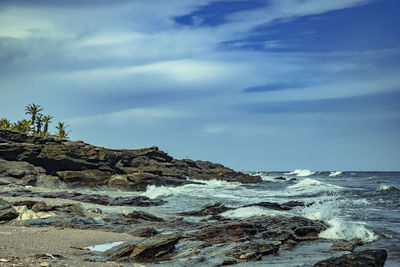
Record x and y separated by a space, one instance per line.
49 161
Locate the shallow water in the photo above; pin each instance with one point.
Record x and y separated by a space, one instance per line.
365 205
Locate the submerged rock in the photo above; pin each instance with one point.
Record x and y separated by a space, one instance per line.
373 258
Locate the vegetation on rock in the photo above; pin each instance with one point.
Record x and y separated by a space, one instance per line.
35 124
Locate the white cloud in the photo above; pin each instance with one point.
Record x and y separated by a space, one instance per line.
135 115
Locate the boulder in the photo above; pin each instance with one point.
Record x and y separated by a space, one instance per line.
145 232
212 209
346 245
151 249
142 215
7 212
373 258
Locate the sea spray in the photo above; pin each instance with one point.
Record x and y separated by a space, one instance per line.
301 173
339 228
247 212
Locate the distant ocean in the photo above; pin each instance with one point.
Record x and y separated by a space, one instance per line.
362 205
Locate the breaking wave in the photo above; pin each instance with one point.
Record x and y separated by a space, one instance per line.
247 212
335 173
310 187
301 173
339 228
190 190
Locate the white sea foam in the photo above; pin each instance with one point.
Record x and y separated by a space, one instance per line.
302 173
385 187
246 212
338 228
104 247
269 178
335 173
347 230
309 187
207 187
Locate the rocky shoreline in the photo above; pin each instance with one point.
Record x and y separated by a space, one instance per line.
40 179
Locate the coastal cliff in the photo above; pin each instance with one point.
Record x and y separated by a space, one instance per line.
50 161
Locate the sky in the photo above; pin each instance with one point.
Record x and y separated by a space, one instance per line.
252 84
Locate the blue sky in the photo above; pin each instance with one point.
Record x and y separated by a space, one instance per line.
255 85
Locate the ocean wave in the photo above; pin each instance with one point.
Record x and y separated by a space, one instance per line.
301 173
339 229
335 173
310 187
387 190
190 190
247 212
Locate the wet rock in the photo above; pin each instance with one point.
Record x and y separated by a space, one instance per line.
142 215
246 251
346 245
212 209
140 201
363 258
268 248
306 233
276 206
145 250
7 212
280 178
269 233
144 232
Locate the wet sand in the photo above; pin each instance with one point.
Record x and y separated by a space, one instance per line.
19 246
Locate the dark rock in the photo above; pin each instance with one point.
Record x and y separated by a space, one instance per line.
363 258
280 178
95 210
79 164
246 251
144 232
276 206
7 212
28 203
268 248
42 222
213 209
140 201
346 245
145 250
142 215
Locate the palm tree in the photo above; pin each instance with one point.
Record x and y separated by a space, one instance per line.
62 134
5 124
21 126
33 109
39 123
46 120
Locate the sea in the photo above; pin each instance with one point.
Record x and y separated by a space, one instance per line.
355 204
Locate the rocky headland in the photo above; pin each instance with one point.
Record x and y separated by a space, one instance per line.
46 219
